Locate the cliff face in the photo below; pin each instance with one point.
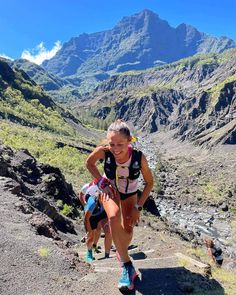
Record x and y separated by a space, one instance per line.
195 97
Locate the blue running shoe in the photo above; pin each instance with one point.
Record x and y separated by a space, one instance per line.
132 275
124 282
89 256
128 276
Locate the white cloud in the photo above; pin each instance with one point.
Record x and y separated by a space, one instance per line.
5 56
40 53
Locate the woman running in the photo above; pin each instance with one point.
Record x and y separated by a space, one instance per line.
122 166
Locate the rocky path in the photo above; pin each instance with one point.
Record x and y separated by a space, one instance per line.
160 270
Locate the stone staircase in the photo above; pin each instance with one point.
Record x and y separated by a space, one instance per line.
155 262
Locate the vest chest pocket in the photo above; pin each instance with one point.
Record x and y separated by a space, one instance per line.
122 172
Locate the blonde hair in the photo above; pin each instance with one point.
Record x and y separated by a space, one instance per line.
121 127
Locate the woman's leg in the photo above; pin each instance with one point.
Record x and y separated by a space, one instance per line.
97 233
126 207
108 238
119 234
90 239
89 243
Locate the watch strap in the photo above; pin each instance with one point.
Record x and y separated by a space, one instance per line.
138 207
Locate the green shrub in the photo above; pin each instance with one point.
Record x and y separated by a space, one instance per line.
67 209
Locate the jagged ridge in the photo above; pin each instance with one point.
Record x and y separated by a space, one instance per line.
194 96
137 42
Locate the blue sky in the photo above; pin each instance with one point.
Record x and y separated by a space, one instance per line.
38 28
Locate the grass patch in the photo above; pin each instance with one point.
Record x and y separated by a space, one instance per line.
198 252
212 190
67 209
43 252
227 279
218 87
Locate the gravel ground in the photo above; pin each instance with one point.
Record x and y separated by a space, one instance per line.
34 265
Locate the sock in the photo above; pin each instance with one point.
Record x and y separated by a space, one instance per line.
107 255
129 263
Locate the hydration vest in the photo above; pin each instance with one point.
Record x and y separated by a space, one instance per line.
218 251
134 168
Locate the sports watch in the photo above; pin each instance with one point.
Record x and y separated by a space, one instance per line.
138 207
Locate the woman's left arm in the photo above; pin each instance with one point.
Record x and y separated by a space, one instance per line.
148 178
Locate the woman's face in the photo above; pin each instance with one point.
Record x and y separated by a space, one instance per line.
118 144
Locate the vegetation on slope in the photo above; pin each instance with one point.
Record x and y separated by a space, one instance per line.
30 119
57 150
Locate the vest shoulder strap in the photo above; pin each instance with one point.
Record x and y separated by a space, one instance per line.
136 157
109 154
109 164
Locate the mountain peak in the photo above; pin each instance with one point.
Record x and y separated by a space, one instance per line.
145 14
136 42
148 12
188 30
186 27
142 20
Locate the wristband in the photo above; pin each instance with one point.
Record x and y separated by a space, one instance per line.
102 183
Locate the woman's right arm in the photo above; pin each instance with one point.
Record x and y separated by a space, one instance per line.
91 162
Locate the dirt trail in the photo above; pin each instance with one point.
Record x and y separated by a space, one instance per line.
24 271
159 269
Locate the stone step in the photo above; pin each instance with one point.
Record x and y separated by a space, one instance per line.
135 253
142 262
155 276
